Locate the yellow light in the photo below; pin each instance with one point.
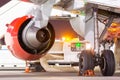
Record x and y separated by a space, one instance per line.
66 39
114 24
113 29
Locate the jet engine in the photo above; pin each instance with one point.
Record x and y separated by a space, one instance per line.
26 41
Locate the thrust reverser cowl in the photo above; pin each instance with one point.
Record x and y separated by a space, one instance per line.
26 41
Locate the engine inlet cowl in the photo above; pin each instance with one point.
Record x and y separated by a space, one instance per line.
28 42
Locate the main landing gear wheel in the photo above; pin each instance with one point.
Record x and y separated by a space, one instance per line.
108 63
86 63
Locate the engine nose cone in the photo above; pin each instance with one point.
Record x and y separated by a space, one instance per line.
43 35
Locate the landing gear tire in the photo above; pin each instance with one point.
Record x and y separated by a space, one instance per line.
86 63
108 63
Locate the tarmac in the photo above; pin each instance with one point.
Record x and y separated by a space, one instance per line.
54 73
21 75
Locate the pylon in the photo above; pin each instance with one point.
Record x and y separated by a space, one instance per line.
89 73
27 69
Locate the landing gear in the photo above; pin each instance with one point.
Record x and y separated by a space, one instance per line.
101 39
108 63
86 63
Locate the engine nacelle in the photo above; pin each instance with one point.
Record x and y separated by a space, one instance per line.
26 41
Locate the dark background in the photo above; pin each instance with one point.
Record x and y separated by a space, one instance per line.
63 29
2 2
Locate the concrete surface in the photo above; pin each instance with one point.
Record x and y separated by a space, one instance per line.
21 75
